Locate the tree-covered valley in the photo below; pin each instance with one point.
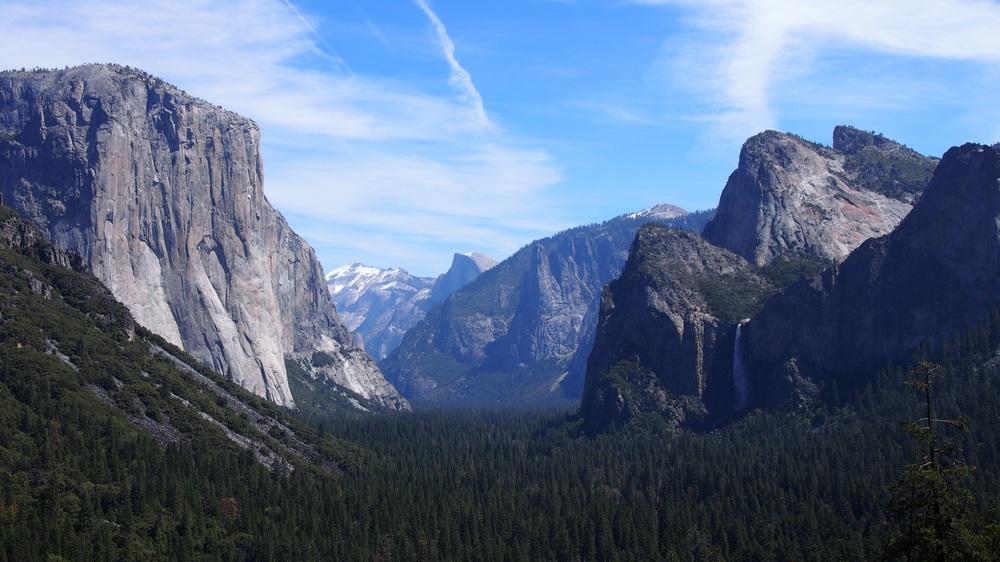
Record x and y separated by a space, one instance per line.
82 481
809 371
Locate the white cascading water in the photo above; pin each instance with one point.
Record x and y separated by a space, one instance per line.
741 382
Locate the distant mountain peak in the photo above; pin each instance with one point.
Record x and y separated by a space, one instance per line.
379 305
663 211
355 268
483 262
529 323
465 268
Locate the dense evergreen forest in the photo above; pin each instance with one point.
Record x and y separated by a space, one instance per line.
79 479
487 486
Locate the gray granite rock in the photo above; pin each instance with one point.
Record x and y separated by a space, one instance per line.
789 196
162 195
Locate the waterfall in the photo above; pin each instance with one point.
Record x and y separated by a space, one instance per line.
741 382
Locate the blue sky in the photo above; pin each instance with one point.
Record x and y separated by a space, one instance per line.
396 132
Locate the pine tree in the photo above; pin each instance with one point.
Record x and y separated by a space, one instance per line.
930 498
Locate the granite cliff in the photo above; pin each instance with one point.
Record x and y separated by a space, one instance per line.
671 339
665 338
162 196
791 197
933 276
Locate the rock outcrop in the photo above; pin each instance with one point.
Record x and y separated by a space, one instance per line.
465 268
379 305
162 196
935 274
665 337
792 197
23 237
518 332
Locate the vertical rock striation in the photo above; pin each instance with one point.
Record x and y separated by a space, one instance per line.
162 195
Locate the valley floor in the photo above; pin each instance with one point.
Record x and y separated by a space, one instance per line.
529 486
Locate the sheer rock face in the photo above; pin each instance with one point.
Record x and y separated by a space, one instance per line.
465 268
793 197
932 276
162 195
522 331
665 336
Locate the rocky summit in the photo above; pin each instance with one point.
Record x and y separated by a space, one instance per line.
162 196
933 276
791 197
672 336
380 305
465 268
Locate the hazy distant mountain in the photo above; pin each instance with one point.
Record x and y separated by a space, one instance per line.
162 195
465 268
522 330
380 305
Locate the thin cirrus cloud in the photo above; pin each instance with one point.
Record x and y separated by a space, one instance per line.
461 80
739 52
349 157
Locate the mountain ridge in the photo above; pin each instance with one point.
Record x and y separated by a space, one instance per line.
931 277
380 305
790 209
520 333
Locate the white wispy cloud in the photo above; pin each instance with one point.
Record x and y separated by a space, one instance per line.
345 153
739 52
461 80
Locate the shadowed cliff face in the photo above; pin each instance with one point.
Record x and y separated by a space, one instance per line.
162 195
789 196
521 332
666 332
665 343
936 273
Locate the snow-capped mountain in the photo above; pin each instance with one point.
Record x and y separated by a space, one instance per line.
662 211
380 305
